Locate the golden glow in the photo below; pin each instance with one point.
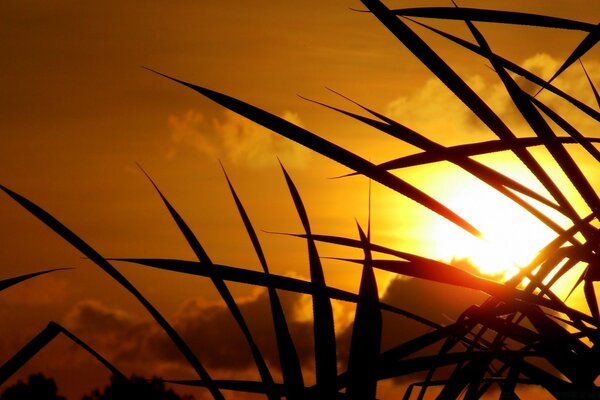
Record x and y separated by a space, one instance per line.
511 235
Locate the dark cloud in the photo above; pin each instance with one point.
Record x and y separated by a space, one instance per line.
212 333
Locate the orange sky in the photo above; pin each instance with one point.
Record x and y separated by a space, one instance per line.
77 111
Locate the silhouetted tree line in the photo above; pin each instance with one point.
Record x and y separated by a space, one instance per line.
40 387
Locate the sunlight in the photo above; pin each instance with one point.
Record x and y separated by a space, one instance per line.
511 235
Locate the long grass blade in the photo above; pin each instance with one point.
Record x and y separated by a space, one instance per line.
497 16
324 329
6 283
488 175
222 288
586 44
101 262
511 66
330 150
463 92
288 356
592 86
365 344
541 128
257 278
41 340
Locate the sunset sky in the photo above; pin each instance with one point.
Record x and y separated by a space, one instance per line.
77 111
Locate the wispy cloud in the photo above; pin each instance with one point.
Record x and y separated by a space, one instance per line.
235 139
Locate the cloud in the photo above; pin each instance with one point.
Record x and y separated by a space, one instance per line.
234 138
210 331
435 112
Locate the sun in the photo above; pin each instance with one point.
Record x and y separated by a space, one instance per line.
511 236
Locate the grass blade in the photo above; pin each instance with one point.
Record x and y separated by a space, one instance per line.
511 66
324 330
586 44
596 95
261 279
100 261
226 295
41 340
6 283
497 16
28 351
330 150
365 344
288 356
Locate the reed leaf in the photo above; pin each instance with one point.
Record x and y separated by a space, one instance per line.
41 340
324 329
101 262
365 343
497 16
511 66
222 288
288 356
6 283
330 150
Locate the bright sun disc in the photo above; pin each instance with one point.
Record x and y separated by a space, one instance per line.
512 236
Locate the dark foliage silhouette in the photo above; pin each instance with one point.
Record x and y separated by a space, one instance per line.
37 387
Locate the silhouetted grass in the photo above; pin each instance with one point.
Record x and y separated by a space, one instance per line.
497 343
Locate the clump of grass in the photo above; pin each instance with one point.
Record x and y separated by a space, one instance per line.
491 345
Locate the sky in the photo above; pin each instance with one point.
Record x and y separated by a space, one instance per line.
78 111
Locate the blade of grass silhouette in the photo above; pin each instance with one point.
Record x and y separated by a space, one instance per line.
586 45
41 340
561 347
220 285
592 86
590 297
288 356
323 323
6 283
365 344
550 248
330 150
511 66
469 150
585 142
261 279
497 16
488 175
463 92
481 171
541 128
438 272
101 262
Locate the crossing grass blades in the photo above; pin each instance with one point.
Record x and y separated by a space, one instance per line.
493 347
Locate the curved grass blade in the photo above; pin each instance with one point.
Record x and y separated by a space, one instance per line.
586 44
226 295
438 272
6 283
288 356
41 340
464 92
585 142
509 65
330 150
365 344
541 128
474 149
101 262
324 329
592 86
261 279
497 16
488 175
